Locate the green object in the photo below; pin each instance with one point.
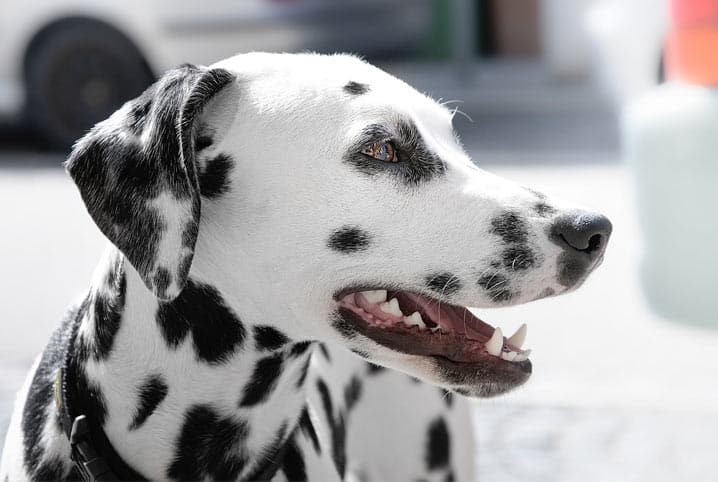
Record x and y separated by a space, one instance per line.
438 40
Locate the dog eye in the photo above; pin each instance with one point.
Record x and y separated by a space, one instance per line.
381 151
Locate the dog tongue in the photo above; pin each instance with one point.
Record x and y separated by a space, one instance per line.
449 318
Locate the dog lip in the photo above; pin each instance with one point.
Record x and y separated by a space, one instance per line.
525 366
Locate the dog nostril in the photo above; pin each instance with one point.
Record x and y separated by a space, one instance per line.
584 232
594 244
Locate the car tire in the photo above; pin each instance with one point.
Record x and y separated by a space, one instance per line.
78 74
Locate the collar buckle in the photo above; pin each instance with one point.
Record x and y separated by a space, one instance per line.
89 464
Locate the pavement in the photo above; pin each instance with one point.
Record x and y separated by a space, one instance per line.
617 394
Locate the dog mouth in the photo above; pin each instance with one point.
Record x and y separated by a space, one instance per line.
420 325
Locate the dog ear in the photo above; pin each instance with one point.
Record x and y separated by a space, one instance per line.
137 174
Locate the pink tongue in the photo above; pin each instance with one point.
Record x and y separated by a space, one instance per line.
449 317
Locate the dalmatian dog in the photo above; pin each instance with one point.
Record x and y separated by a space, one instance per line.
293 242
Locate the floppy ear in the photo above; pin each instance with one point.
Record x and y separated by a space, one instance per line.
137 175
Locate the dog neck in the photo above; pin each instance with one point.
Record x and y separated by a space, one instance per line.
177 383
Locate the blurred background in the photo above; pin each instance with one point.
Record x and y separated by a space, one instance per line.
567 96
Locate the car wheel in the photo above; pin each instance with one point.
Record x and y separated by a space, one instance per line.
78 74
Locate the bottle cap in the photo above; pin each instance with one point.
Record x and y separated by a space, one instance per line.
692 42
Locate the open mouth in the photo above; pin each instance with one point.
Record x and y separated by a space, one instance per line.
419 325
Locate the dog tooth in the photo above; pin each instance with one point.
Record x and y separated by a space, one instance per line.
518 338
509 355
435 329
391 307
522 356
415 320
496 343
376 296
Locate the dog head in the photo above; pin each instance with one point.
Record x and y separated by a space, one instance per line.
328 197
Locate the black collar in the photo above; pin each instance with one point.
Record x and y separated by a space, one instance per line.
93 456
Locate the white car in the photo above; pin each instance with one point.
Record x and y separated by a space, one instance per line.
68 63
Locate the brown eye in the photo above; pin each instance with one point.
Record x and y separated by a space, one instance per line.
381 151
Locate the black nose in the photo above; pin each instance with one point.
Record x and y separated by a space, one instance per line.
583 232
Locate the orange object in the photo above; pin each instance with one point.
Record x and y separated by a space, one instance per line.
692 45
686 13
692 55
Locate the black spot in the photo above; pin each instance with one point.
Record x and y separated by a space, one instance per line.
444 283
416 163
209 446
264 378
293 463
349 239
337 426
518 258
438 445
162 281
325 352
497 286
108 307
151 393
447 396
305 423
352 393
203 142
373 369
268 338
200 310
510 227
214 178
450 477
493 282
303 372
299 348
326 399
356 88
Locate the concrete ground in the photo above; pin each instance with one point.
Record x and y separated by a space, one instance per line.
618 394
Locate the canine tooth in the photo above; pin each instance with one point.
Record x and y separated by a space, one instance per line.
509 355
435 329
518 338
376 296
415 320
391 307
496 343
